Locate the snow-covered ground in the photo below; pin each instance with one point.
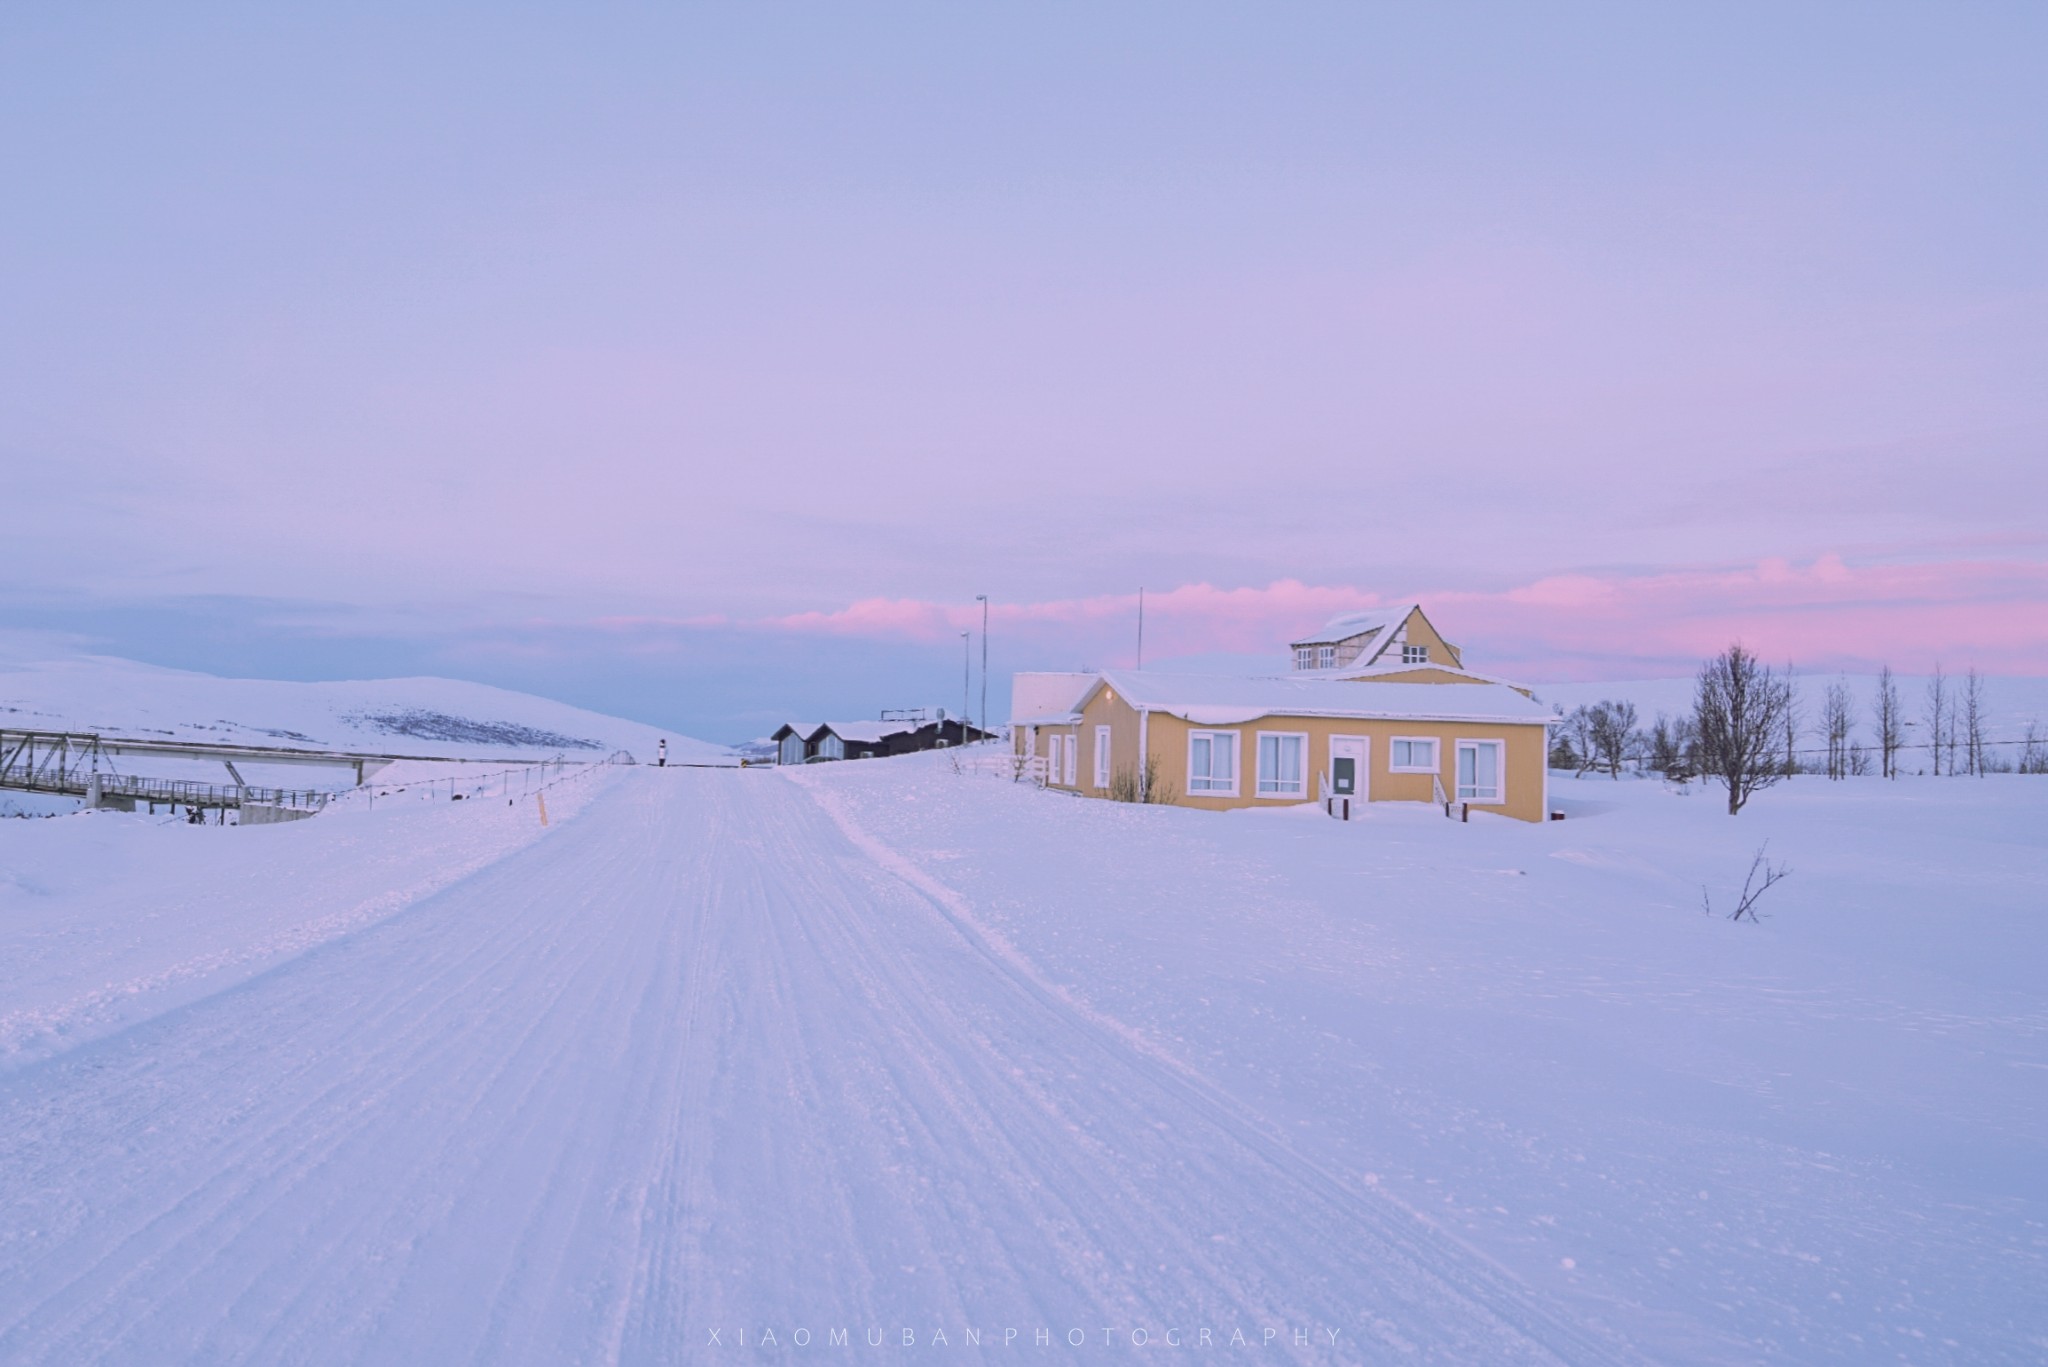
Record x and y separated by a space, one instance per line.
109 918
887 1047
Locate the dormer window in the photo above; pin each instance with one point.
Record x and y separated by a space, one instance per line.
1304 657
1326 657
1414 655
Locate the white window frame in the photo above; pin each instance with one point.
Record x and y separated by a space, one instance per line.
1071 765
1231 738
1295 794
1326 657
1101 757
1436 752
1304 657
1413 653
1500 774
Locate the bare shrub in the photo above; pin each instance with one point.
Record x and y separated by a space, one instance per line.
1763 876
1129 785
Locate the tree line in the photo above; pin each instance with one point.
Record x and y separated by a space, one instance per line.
1747 722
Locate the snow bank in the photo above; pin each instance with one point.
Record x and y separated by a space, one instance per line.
108 918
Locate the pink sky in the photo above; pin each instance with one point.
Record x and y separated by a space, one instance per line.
1610 334
1824 614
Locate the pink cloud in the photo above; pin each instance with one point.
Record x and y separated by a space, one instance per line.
1828 614
1822 615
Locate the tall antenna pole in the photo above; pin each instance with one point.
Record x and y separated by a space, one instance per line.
1141 626
984 661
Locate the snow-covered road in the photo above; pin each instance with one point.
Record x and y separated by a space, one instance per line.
706 1062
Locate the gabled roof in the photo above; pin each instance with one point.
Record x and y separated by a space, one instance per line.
1037 695
805 729
864 732
1351 624
1218 700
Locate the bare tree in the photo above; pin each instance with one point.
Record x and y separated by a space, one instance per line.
1576 730
1837 721
1792 721
1666 746
1612 731
1937 713
1891 722
2034 754
1972 718
1740 709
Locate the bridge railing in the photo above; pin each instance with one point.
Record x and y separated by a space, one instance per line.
191 794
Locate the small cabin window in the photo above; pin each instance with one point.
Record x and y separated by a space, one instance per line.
1326 657
1414 655
1304 657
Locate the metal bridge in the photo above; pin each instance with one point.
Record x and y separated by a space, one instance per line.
87 765
82 764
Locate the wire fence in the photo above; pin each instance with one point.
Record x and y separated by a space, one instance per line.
512 783
1016 768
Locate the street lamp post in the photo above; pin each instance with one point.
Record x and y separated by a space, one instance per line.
982 598
966 679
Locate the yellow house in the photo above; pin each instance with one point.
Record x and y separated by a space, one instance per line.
1416 727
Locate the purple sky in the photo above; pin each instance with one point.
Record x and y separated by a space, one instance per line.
704 366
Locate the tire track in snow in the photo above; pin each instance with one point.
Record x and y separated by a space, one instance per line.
1459 1273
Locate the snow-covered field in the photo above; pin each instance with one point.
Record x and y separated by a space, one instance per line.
888 1048
50 690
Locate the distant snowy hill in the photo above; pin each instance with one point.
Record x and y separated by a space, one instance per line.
443 718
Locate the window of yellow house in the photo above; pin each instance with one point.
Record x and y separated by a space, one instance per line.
1412 755
1212 763
1480 763
1283 764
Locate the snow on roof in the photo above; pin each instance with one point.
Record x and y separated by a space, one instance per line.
1352 624
1038 694
805 729
1375 671
867 732
1220 701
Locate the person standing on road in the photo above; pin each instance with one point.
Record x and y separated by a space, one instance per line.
661 756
